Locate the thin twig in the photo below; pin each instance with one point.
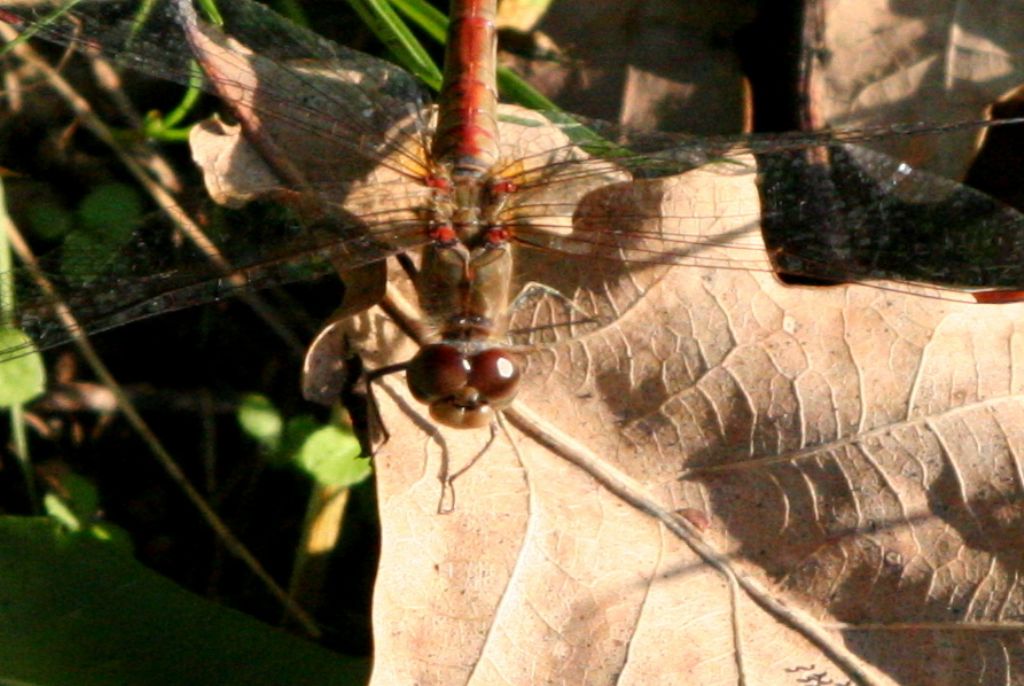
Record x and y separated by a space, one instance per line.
633 493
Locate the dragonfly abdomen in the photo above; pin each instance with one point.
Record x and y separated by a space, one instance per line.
466 139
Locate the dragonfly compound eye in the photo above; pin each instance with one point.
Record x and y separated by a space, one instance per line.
463 392
438 371
494 374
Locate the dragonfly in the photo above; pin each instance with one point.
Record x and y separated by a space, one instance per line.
529 228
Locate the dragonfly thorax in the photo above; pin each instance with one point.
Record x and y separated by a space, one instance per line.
467 209
464 289
466 206
463 286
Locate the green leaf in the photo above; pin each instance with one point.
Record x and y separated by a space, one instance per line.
76 611
111 210
296 431
107 218
76 504
22 378
82 495
64 514
48 220
331 455
260 419
112 535
61 512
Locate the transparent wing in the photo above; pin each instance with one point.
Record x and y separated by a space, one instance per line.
798 206
156 271
346 120
303 89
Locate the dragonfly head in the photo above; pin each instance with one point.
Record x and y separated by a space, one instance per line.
463 389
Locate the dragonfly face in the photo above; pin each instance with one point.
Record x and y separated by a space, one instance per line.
462 388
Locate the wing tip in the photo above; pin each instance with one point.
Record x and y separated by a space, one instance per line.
998 297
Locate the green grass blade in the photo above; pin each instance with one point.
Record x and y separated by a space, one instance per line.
428 18
399 39
28 32
22 378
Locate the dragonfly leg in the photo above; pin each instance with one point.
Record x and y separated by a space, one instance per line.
446 503
325 370
534 289
371 399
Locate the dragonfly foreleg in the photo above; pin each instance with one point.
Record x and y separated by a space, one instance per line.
534 290
446 503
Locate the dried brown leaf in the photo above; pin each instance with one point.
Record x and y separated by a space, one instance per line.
916 61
